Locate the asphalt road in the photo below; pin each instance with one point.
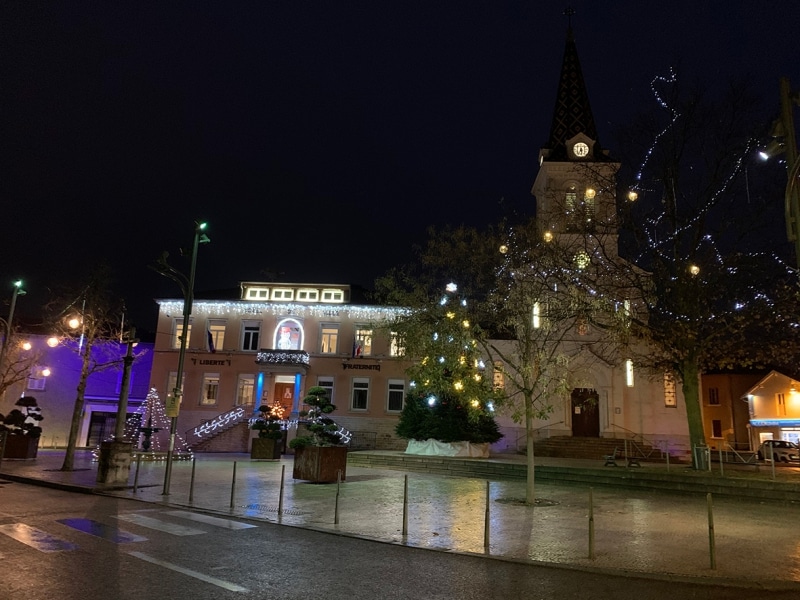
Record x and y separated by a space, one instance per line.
62 545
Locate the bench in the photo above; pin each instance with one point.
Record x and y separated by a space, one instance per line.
611 459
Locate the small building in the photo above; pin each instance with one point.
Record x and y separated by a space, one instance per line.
774 404
726 418
270 346
53 381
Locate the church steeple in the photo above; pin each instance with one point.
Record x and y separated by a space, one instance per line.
573 122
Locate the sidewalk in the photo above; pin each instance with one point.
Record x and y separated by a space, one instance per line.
655 533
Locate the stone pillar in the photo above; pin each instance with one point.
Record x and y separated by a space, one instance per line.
115 462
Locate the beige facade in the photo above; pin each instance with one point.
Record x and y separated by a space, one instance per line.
271 346
774 404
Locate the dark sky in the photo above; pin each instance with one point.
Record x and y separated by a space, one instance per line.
318 139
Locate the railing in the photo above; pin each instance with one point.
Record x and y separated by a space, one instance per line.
220 423
634 446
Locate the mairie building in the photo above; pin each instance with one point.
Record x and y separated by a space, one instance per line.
269 347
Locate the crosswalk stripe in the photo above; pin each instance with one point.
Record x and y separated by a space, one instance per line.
36 538
201 576
209 520
101 530
159 525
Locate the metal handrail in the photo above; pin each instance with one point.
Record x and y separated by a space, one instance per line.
642 440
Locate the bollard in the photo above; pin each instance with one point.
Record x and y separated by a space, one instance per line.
667 447
721 468
591 525
191 481
405 505
280 496
486 520
233 483
136 475
772 460
712 550
336 506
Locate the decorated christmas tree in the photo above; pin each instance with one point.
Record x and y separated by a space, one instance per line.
452 392
150 430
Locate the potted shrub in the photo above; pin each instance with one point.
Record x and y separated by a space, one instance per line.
22 429
268 423
320 455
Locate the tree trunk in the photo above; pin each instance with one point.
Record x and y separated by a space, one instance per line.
530 496
694 412
77 411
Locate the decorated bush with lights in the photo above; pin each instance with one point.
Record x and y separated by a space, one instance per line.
452 395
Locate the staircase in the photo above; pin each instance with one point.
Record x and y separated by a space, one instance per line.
593 448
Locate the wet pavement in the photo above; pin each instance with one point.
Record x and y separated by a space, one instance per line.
656 533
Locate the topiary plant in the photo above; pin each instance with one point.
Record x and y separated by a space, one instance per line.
322 430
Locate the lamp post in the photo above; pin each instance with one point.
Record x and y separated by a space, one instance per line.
187 287
9 323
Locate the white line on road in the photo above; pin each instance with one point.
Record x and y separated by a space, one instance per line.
212 580
172 528
209 520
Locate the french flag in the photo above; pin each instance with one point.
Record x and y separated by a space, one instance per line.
210 339
356 348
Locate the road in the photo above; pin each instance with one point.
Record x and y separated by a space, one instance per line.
58 544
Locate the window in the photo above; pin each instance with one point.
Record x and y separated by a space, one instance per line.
257 293
713 396
251 335
307 295
328 338
178 330
670 397
781 404
210 389
215 335
396 347
571 208
245 389
289 335
716 428
397 392
629 373
498 380
36 383
332 296
327 383
363 342
360 393
536 315
282 294
171 380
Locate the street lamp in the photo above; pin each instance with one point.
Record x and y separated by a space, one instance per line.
187 287
9 323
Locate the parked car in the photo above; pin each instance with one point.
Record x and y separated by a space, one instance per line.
782 450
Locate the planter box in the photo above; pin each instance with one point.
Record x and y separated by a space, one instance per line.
320 464
265 448
21 446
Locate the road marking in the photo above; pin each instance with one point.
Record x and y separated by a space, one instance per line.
201 576
208 519
36 538
158 525
101 530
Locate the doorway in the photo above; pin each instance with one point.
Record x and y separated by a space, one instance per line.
585 413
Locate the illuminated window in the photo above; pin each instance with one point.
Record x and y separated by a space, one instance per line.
360 394
536 317
498 379
670 396
332 296
172 379
328 338
245 390
396 347
178 330
210 389
307 295
363 342
251 335
257 293
629 373
282 294
396 394
780 399
215 335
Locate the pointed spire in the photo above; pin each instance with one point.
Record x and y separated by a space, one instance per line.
573 113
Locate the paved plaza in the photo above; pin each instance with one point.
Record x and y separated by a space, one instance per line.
661 534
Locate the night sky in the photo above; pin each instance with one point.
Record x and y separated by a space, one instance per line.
318 139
